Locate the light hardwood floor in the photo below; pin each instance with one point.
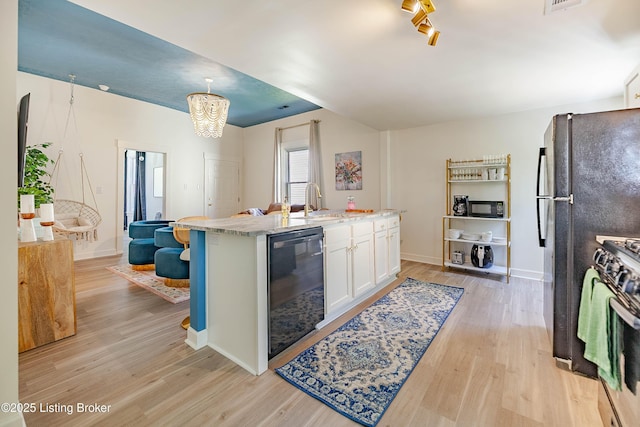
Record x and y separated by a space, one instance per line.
490 365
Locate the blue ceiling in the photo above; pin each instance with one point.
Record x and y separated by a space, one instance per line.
57 38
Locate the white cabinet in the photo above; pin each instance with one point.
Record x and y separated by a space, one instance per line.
337 259
381 250
362 255
349 262
480 180
394 245
632 89
387 247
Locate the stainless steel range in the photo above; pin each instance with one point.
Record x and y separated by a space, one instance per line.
618 262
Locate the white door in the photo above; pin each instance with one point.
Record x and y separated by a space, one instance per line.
222 188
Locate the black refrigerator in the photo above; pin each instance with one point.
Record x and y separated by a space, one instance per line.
588 185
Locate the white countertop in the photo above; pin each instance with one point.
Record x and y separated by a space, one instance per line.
272 224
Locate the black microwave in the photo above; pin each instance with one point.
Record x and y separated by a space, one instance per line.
486 208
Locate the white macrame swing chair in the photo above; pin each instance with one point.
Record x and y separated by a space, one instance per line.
74 219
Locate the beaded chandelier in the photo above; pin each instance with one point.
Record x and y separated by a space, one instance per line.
208 112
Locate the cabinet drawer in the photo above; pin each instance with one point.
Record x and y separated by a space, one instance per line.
333 235
394 222
380 225
361 228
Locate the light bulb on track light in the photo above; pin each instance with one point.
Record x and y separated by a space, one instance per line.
410 6
434 38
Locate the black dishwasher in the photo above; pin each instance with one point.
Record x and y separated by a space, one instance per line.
296 286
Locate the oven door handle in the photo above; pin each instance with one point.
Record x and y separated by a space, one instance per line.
624 314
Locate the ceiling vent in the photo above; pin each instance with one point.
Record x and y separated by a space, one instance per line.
551 6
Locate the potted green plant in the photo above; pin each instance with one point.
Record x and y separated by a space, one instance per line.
35 172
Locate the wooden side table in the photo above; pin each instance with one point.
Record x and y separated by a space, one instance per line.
46 292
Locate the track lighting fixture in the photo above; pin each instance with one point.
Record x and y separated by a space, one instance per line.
410 6
421 10
427 6
433 39
420 16
426 28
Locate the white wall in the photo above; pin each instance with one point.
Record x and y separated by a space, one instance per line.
405 169
418 175
8 216
337 135
107 123
402 169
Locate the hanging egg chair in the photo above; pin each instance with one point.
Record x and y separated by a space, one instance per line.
75 219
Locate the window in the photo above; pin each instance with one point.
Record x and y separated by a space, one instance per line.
295 173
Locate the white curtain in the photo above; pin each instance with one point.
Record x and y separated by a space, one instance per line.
315 163
276 195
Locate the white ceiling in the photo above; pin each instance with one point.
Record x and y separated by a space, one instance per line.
363 59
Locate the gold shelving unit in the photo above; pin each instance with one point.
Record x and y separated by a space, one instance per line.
471 173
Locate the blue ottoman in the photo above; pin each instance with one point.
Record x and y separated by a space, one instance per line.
163 238
169 264
142 248
167 259
146 229
141 252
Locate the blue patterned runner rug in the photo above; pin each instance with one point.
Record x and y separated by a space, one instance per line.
359 368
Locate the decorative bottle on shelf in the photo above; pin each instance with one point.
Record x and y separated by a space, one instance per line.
284 208
351 203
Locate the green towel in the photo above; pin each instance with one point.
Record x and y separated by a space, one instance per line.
602 344
590 277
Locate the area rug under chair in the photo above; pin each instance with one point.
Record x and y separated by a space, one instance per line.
359 368
149 281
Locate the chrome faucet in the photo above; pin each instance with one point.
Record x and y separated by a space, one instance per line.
306 197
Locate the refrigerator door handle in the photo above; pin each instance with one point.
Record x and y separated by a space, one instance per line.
569 198
563 199
539 198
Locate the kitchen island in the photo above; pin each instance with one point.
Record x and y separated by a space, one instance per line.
228 273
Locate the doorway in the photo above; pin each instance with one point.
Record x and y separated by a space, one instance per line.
144 184
148 147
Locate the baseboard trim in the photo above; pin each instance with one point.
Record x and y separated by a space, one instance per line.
421 258
515 272
259 370
79 256
196 339
12 419
527 274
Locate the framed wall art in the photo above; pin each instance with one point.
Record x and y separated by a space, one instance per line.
349 171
